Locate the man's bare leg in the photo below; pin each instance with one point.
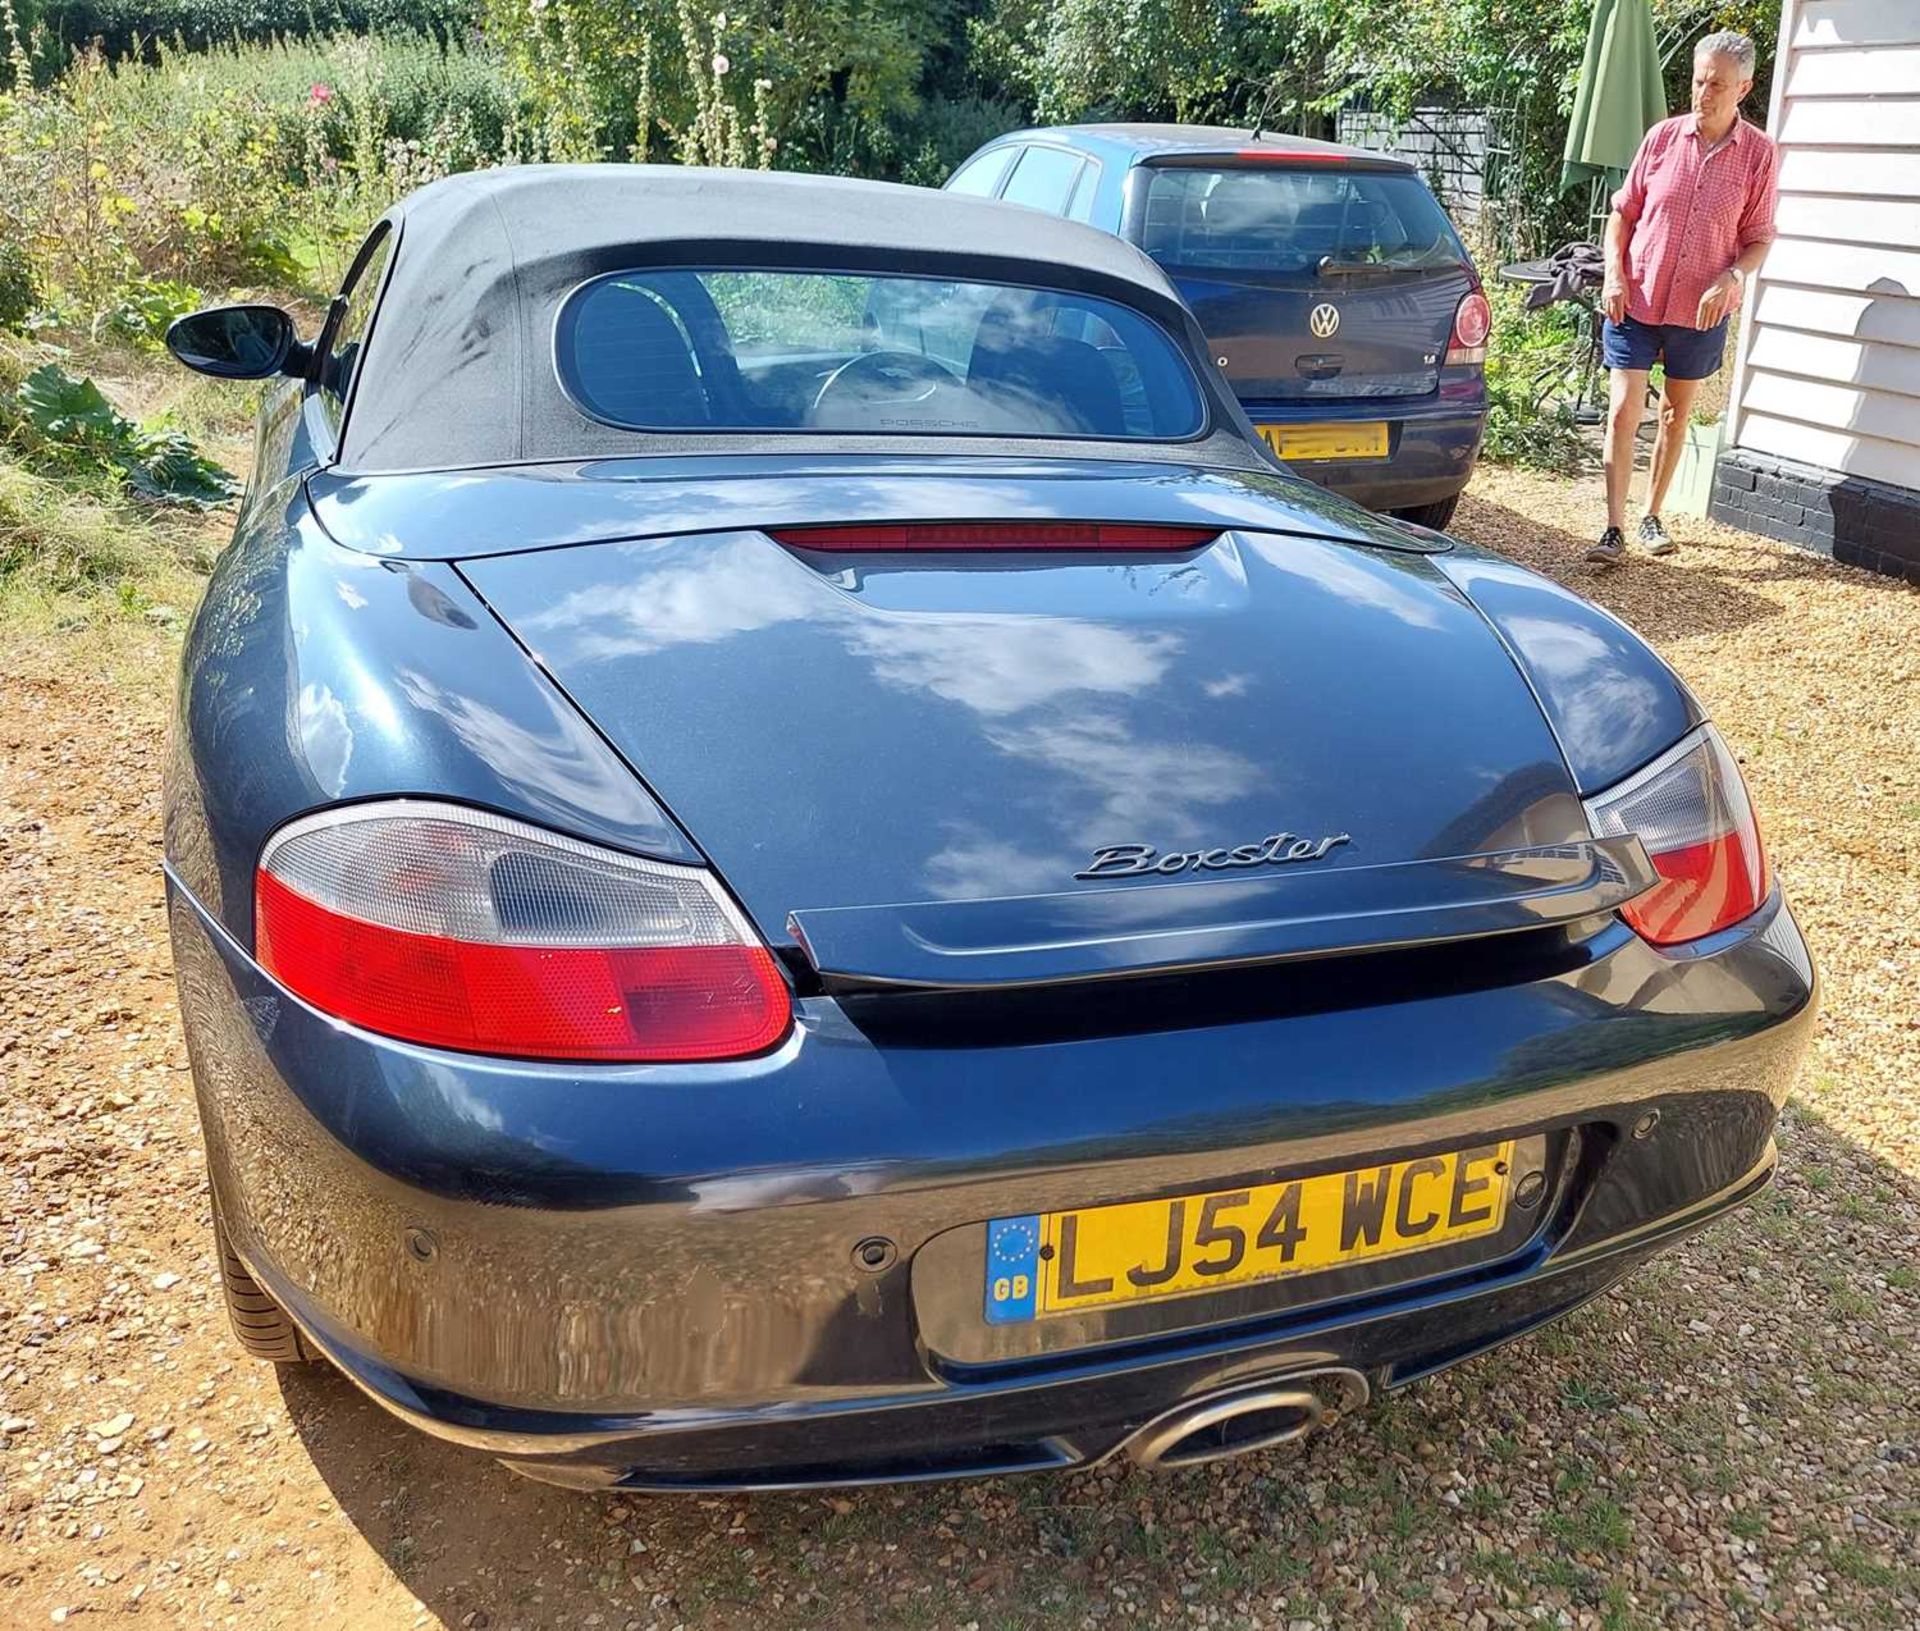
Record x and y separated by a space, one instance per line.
1627 392
1676 403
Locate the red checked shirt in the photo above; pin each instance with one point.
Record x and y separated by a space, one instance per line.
1690 212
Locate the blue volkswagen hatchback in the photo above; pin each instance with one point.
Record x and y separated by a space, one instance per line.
1337 298
793 861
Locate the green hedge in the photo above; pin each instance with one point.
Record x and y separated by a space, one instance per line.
122 26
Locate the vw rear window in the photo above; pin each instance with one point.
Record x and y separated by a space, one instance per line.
752 350
1256 218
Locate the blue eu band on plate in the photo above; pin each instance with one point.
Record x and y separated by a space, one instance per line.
1065 1261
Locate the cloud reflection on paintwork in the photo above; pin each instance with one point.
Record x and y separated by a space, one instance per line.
325 737
1114 785
1033 679
727 586
550 770
1360 580
1598 698
977 866
996 665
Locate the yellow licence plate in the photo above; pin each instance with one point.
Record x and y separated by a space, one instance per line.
1060 1262
1306 442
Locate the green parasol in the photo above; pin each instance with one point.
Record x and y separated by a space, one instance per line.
1618 97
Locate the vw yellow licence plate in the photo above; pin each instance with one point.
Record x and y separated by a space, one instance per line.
1061 1262
1367 440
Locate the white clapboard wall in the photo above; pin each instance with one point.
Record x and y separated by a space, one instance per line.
1829 365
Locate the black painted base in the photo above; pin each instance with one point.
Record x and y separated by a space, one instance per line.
1856 521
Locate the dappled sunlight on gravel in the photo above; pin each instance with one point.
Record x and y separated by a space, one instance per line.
1732 1438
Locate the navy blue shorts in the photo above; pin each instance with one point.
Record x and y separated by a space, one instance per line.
1689 353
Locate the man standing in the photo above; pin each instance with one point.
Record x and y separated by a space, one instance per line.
1688 229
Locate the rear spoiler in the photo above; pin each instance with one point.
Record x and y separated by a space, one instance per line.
1163 928
1276 158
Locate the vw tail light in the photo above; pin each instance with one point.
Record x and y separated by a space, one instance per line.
1472 323
1690 809
459 929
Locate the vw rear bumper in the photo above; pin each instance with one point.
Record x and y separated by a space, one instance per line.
1431 448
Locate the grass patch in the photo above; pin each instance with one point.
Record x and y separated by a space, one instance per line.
1581 1394
1596 1525
1616 1612
1857 1564
1560 1574
1484 1501
1499 1568
91 578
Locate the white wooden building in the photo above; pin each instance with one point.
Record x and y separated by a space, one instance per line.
1823 435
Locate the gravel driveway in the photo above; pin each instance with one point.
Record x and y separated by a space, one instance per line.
1732 1439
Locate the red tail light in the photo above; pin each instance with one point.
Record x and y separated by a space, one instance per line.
1472 323
459 929
1008 535
1690 808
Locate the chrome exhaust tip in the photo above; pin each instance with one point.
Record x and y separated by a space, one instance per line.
1240 1420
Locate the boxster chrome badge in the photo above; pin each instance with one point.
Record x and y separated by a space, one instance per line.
1277 849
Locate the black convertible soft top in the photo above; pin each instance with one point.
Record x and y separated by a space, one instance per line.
458 370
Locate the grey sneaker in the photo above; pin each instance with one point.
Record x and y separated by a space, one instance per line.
1655 538
1611 550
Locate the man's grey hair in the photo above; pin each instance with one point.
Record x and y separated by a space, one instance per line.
1729 42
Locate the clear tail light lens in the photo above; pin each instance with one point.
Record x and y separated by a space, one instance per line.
1472 323
460 929
1690 809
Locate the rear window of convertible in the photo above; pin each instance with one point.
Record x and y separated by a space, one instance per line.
688 351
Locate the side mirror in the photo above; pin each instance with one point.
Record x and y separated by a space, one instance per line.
238 342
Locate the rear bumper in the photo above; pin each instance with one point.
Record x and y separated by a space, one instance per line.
1432 448
648 1276
1069 1417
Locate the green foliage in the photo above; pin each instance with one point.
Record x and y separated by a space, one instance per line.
653 78
148 305
53 537
239 165
68 425
1532 363
18 295
1305 60
944 130
130 28
1184 59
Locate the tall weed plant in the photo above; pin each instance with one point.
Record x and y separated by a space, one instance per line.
244 165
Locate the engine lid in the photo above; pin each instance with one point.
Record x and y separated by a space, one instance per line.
869 730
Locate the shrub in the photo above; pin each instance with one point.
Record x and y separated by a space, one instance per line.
922 148
609 78
68 426
148 306
133 28
238 165
18 296
1533 361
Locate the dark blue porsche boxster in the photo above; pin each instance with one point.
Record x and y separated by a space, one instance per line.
794 860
